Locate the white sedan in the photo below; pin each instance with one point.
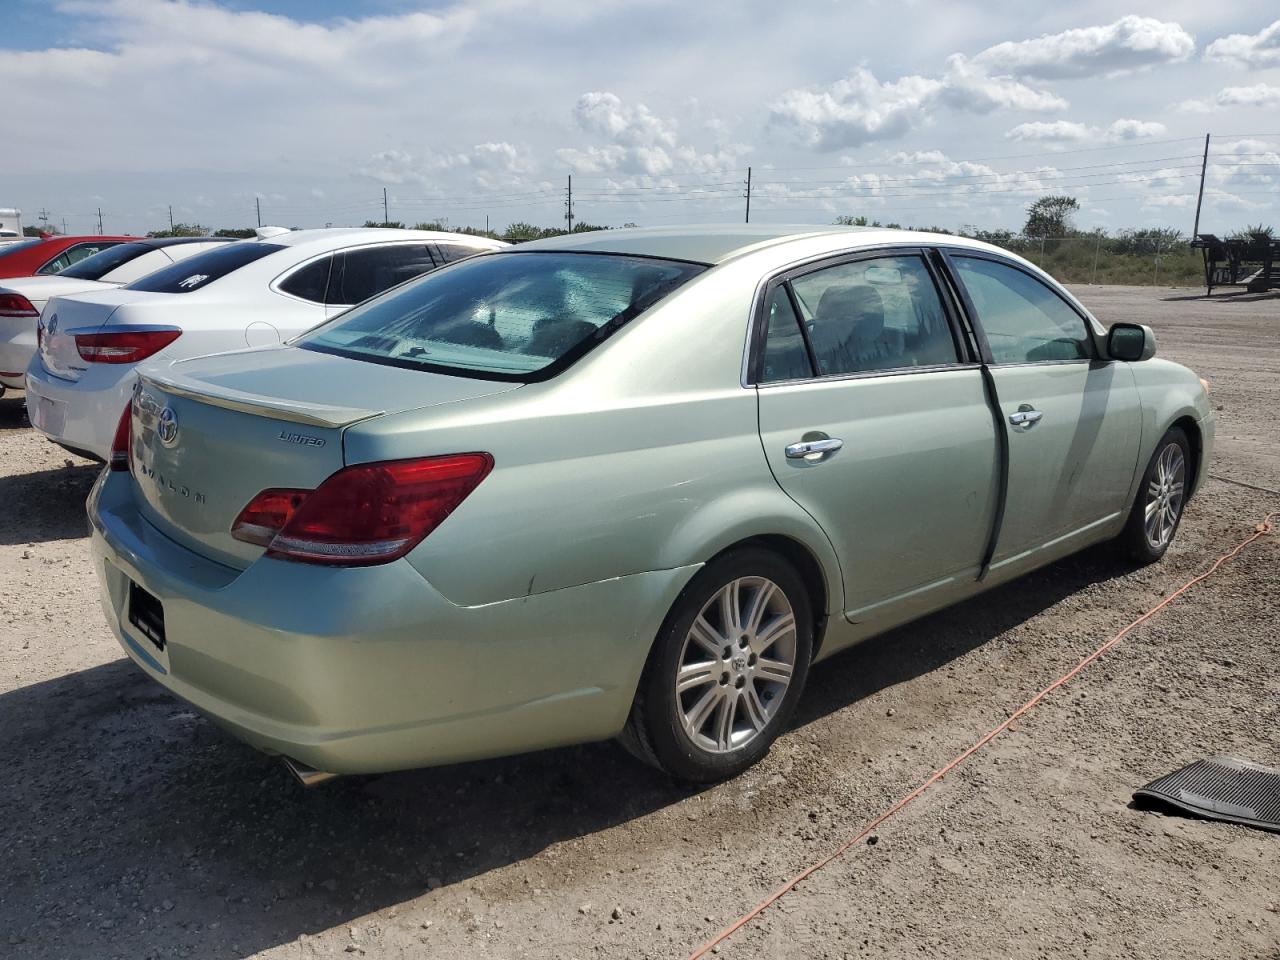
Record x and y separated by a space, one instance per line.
23 298
246 294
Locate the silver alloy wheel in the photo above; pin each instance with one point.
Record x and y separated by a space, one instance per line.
1165 496
736 664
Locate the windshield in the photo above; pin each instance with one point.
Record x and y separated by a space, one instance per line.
104 261
505 316
196 273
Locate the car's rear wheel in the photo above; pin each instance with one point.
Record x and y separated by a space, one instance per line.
1162 496
726 670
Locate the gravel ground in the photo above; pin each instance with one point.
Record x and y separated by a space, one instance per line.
130 827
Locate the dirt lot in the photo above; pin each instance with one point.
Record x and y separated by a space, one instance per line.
131 828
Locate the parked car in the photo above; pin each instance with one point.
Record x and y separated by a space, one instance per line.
22 298
627 483
250 293
50 255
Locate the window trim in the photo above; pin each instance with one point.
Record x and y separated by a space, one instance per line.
950 254
752 372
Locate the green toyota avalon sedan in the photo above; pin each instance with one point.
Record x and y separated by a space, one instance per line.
621 484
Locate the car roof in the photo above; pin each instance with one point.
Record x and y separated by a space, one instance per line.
329 238
716 243
179 241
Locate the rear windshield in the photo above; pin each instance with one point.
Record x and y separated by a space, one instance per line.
196 273
8 248
506 316
104 261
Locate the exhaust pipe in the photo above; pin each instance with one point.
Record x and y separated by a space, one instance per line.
305 775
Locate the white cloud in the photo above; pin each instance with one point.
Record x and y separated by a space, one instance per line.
1257 95
968 87
1055 131
640 144
1122 130
1129 43
856 110
1067 131
860 109
1261 49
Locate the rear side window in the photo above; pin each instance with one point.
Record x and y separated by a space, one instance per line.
196 273
103 262
309 282
366 272
878 314
510 316
73 255
1025 321
785 355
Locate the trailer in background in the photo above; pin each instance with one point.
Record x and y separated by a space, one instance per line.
10 224
1249 262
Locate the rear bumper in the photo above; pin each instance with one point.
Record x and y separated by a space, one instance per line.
370 669
17 347
81 414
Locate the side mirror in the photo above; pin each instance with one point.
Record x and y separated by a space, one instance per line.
1130 342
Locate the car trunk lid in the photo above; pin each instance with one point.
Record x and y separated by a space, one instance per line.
208 435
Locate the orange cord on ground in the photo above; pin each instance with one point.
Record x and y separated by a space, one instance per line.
1260 530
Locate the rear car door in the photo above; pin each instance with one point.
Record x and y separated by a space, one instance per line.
874 417
1072 418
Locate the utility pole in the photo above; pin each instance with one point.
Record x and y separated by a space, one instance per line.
486 223
568 205
44 219
99 221
257 205
1195 231
386 217
748 220
64 226
171 218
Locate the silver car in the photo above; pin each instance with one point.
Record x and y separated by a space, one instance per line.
621 484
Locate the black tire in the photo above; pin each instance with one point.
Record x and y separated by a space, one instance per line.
656 732
1134 541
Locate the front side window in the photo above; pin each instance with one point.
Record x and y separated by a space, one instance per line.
71 256
196 273
879 314
508 316
1025 321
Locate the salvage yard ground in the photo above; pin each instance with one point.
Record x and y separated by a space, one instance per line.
130 827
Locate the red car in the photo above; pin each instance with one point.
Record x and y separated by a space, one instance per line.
26 258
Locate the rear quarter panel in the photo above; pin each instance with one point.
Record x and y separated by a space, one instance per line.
644 456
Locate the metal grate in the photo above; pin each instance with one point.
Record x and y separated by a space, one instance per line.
1221 788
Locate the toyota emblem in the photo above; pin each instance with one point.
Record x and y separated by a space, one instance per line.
167 427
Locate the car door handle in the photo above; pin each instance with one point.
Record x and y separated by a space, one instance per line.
1025 417
808 448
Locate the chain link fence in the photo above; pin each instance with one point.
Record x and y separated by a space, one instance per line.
1145 261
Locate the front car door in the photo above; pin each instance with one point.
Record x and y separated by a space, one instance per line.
863 360
1072 419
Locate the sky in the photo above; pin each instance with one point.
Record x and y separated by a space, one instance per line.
908 111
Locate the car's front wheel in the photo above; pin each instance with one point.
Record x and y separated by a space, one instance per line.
1157 510
726 670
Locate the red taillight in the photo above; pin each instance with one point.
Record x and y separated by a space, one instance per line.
266 513
124 346
16 305
120 445
366 514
